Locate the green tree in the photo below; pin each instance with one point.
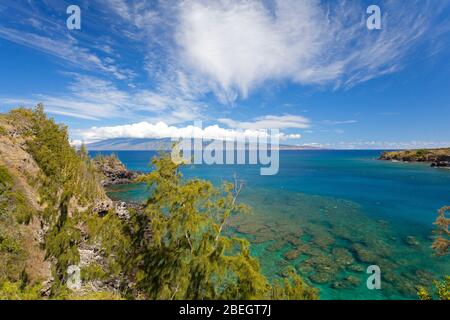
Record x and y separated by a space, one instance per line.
441 246
180 250
14 213
442 242
68 182
177 248
441 290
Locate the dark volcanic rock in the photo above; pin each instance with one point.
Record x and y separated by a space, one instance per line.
441 164
113 170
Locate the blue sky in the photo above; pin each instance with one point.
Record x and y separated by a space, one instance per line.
309 68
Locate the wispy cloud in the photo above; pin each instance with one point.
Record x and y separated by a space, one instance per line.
238 45
120 7
337 122
42 27
383 145
232 48
269 122
189 54
94 99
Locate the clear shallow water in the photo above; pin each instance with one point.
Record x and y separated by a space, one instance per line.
330 214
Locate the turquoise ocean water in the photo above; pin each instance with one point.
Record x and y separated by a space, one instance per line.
331 214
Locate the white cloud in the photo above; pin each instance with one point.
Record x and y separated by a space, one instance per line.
192 48
162 130
121 8
92 98
76 143
238 45
232 47
65 48
293 136
269 122
334 122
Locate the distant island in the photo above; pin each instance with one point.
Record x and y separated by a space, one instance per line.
151 144
436 157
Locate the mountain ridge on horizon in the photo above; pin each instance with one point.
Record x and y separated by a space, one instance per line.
157 144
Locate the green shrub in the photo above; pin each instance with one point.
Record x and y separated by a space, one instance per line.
188 256
93 272
6 180
441 292
12 252
94 295
10 245
68 178
19 291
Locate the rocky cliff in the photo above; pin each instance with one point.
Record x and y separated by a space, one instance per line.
20 171
49 196
113 170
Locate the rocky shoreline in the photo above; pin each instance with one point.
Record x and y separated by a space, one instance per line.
114 171
437 158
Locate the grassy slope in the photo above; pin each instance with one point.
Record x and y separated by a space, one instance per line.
33 158
19 225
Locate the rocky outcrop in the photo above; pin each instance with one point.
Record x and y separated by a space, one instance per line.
113 171
102 207
122 210
439 158
441 164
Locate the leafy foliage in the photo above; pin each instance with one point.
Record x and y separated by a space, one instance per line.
12 255
421 155
68 182
19 291
442 243
441 246
93 295
179 250
293 288
114 237
442 290
14 211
